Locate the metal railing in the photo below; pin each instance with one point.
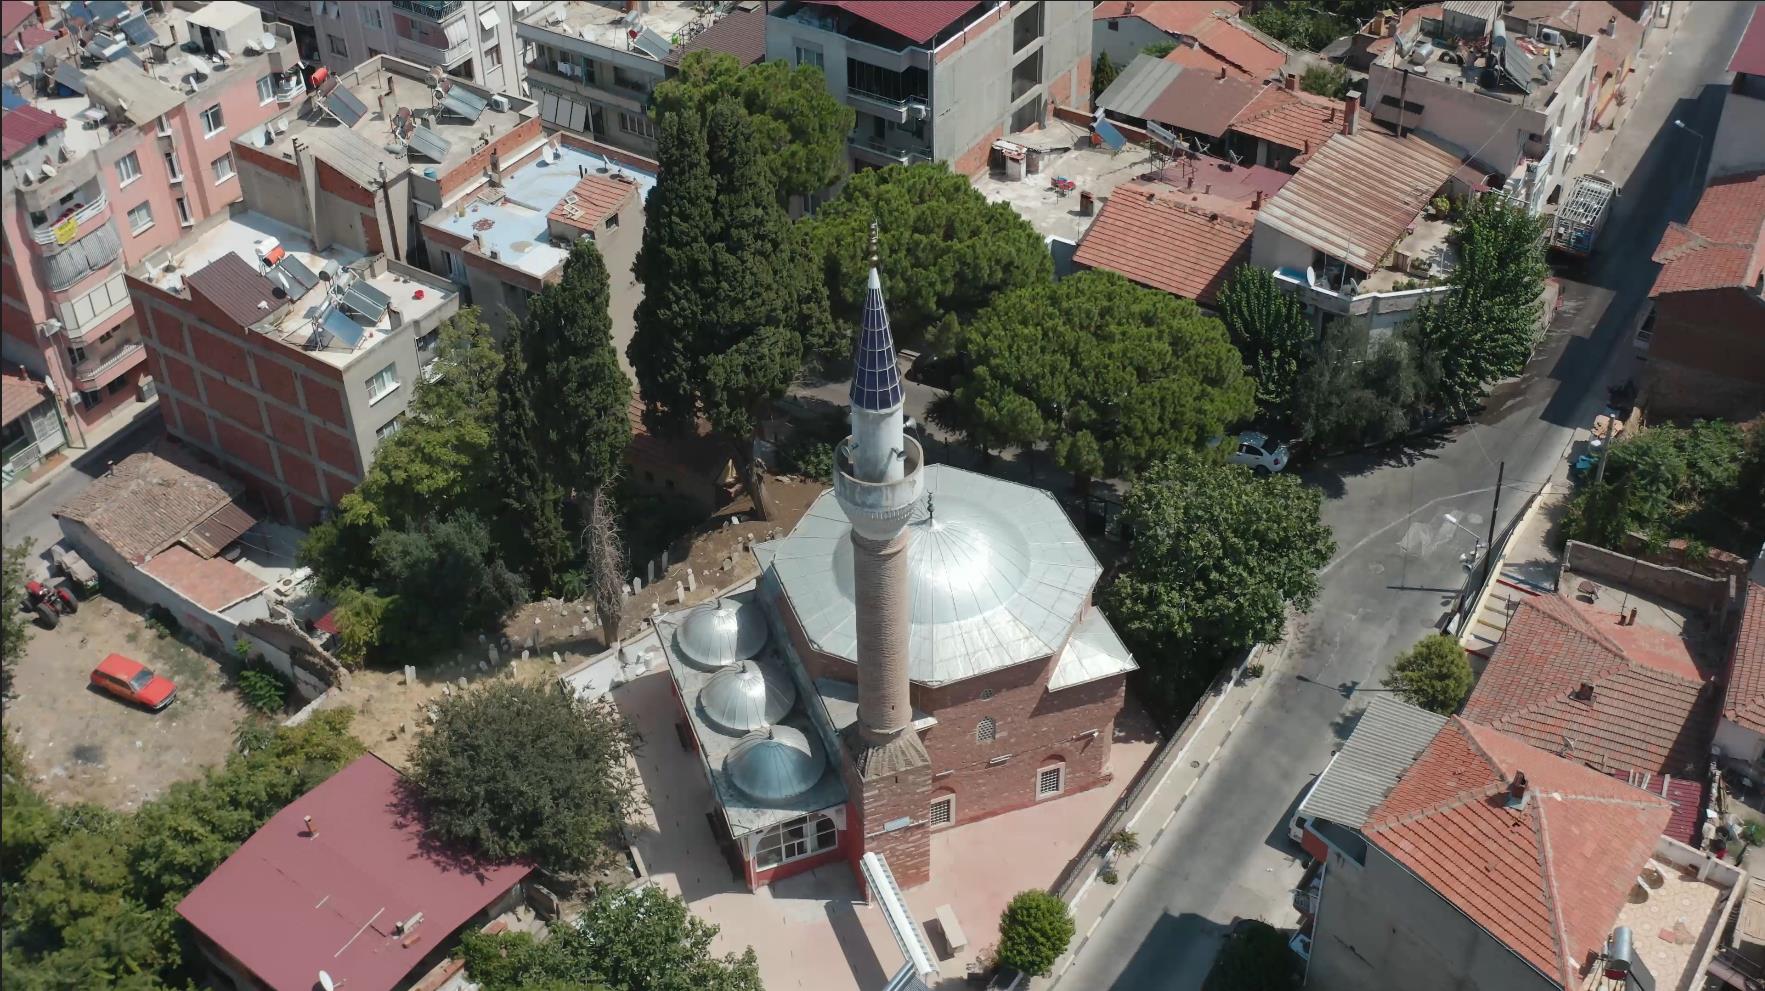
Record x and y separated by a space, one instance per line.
46 233
91 368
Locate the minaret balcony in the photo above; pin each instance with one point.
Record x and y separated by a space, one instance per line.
878 510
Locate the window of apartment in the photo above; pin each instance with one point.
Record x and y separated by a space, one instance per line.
986 731
943 810
794 840
632 123
1409 106
140 218
493 56
128 168
91 397
116 386
634 81
223 167
212 121
338 48
1050 780
810 56
389 428
184 212
612 222
164 125
1114 25
266 89
370 15
173 171
384 381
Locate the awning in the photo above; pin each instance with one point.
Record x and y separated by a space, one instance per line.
457 33
223 526
520 6
488 20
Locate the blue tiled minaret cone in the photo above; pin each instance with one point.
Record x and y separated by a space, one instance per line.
878 478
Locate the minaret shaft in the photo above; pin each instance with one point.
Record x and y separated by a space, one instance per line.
885 705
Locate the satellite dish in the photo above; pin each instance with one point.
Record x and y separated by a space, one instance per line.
1311 276
326 982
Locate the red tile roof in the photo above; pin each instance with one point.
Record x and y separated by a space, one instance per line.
152 500
1201 102
1749 54
1193 57
1156 237
741 33
594 199
1688 797
1169 16
1744 700
916 20
1649 711
1292 118
1232 41
19 129
1547 879
1722 246
289 903
19 394
212 583
15 12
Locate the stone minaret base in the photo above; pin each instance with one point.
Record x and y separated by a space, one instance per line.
890 782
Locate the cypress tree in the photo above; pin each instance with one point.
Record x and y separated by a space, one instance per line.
532 502
672 264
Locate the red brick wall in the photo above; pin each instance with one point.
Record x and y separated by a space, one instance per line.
473 168
343 187
221 354
324 401
1714 331
276 381
974 160
248 155
232 402
334 448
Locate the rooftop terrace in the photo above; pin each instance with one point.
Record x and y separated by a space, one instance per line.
1528 74
662 25
293 316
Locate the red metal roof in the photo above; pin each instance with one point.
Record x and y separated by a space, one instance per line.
13 13
1156 237
289 903
1687 796
1722 246
19 129
1749 54
26 40
1744 702
916 20
1649 710
1169 16
236 288
1547 879
1201 102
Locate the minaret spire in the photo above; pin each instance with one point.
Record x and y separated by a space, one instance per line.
876 385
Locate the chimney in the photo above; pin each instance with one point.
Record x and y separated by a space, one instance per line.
1584 693
1222 73
1632 617
1291 83
1351 108
311 830
1307 148
1518 792
1129 9
1256 200
478 240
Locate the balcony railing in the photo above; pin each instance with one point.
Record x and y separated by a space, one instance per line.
88 374
46 233
888 108
1367 304
435 10
904 156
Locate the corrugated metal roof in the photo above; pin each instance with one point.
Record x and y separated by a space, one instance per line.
1143 81
22 128
1386 742
346 151
997 575
234 286
1359 193
225 525
1093 653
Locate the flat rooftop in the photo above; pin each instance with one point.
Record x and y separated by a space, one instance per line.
513 220
294 325
1546 66
1674 919
662 24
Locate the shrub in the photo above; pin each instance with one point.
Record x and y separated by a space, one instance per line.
1034 932
1435 675
263 688
1124 841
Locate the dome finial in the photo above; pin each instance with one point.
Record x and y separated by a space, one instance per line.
875 239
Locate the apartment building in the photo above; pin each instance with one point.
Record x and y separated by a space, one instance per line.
286 334
1515 107
593 65
117 143
471 41
939 81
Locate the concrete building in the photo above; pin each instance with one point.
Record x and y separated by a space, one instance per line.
920 652
1740 735
593 65
939 81
1208 36
473 41
1739 141
108 161
1706 353
31 428
1514 107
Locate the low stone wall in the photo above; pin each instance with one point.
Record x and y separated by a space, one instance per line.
1687 588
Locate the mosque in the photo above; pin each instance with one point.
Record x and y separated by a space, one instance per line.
919 652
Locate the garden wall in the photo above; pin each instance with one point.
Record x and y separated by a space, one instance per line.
1688 588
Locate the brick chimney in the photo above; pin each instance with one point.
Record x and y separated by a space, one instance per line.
1256 200
1519 793
1351 110
1291 83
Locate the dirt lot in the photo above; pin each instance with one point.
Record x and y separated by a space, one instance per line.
90 747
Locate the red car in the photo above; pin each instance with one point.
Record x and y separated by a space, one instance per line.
132 681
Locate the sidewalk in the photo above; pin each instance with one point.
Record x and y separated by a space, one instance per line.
96 436
1591 157
1152 815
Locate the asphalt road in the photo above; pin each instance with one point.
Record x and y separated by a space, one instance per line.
1226 855
34 519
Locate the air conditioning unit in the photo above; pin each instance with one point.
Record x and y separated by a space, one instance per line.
499 103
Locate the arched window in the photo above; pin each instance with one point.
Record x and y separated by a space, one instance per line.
987 731
794 840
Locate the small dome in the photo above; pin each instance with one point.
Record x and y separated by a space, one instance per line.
747 696
716 635
776 764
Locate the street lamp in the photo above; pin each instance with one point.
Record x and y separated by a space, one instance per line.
1683 126
1476 549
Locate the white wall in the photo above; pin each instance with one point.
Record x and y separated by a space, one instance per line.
1129 38
1273 249
1739 144
217 628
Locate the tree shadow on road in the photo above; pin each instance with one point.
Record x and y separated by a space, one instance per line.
1331 474
1176 953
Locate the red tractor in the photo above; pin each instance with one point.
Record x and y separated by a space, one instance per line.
49 602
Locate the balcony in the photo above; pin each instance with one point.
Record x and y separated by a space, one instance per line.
1359 304
882 153
896 111
290 90
45 194
435 10
82 220
96 371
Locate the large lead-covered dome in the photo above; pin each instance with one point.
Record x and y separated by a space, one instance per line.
776 764
747 696
717 635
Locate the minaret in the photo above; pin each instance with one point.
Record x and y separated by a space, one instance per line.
878 479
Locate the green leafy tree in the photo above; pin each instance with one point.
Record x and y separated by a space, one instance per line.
1270 331
443 579
793 117
585 423
1110 373
1332 81
1485 329
1356 391
1103 74
625 940
1699 483
1311 26
739 311
1034 932
945 250
15 629
1255 957
1435 675
1159 49
1218 557
525 770
360 618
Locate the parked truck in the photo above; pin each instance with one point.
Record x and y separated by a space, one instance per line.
1582 215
